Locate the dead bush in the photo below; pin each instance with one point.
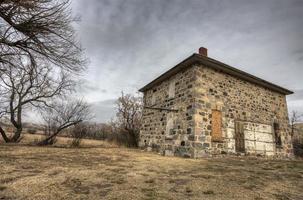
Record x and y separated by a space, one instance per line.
123 138
298 147
79 132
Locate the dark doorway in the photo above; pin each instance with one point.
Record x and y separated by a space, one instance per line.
277 135
239 137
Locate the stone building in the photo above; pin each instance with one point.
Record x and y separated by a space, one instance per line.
202 107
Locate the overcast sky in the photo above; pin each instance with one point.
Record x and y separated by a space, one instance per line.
131 42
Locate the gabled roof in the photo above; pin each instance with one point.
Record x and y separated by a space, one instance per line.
212 63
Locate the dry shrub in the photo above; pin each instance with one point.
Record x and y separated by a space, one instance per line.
37 141
123 138
79 132
111 132
298 147
97 131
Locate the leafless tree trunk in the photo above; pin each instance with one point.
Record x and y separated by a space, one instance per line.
4 136
28 86
37 44
63 115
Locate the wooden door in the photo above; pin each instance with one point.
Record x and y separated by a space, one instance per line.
239 137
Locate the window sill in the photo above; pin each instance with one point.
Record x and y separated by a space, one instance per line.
217 140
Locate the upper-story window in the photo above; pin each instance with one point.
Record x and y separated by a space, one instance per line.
153 99
171 89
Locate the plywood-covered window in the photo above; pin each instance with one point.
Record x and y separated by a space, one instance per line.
171 89
169 123
216 126
153 99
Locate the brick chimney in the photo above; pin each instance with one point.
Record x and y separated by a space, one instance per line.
203 51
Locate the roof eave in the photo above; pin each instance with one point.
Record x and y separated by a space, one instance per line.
243 75
197 58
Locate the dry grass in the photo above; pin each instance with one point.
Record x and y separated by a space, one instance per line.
108 172
29 139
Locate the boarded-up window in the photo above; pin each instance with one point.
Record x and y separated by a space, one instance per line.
169 124
216 122
153 99
171 89
277 134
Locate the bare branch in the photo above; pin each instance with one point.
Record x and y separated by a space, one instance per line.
39 29
128 117
63 115
27 86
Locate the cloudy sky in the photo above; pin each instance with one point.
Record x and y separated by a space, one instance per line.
131 42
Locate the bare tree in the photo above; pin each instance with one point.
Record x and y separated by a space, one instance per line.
27 86
39 29
38 55
295 118
62 115
129 112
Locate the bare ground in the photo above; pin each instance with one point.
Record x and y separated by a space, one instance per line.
104 171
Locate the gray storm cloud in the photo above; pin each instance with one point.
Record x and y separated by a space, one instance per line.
130 42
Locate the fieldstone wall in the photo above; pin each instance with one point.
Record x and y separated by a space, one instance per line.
170 132
239 100
195 93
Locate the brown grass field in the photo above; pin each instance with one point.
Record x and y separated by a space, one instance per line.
100 170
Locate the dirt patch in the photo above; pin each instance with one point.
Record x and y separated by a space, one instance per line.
76 185
209 192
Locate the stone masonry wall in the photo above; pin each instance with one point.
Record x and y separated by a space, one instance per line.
197 92
238 100
164 131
